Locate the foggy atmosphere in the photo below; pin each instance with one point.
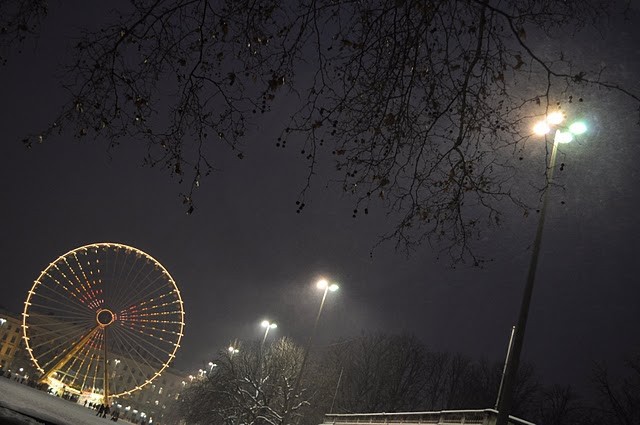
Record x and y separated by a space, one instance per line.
333 222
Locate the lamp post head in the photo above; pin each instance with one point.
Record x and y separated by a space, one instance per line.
325 285
561 136
268 324
555 118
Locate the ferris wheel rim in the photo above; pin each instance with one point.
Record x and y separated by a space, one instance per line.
116 246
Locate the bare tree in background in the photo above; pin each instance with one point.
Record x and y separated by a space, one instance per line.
559 405
382 373
425 106
396 373
245 388
619 398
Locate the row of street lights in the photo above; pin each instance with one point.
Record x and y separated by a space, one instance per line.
322 284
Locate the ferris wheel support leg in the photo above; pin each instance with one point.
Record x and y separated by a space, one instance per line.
106 371
72 352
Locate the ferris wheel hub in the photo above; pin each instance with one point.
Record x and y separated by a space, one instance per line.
105 317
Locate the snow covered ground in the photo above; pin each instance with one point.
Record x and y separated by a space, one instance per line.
22 405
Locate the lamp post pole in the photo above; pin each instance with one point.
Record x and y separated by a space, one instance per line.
322 284
513 361
267 325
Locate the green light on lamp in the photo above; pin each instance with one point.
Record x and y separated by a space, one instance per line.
578 127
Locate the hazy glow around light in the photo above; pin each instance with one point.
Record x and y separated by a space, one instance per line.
333 287
268 324
541 128
555 118
322 284
578 127
563 137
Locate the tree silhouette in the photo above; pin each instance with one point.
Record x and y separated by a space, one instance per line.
245 388
423 106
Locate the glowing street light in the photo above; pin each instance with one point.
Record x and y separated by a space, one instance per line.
561 135
211 366
267 325
324 285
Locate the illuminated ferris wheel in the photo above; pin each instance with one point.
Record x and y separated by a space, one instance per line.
104 319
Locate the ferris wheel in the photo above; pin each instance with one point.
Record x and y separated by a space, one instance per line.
104 318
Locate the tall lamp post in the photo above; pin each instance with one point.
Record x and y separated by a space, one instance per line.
268 326
561 135
327 287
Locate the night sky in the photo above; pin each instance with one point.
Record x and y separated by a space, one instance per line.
245 255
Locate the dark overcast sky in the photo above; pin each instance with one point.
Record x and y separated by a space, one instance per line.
245 254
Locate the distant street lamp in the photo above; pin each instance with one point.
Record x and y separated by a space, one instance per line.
324 285
211 366
561 135
267 325
233 350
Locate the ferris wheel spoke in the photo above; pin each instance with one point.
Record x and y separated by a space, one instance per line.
134 316
70 334
133 292
96 364
44 320
83 354
92 280
88 290
131 350
140 333
130 347
60 299
135 300
147 308
54 332
152 331
78 305
85 375
160 297
75 283
124 282
66 341
43 310
143 327
140 343
67 285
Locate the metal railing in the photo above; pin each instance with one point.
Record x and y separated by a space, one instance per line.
482 417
